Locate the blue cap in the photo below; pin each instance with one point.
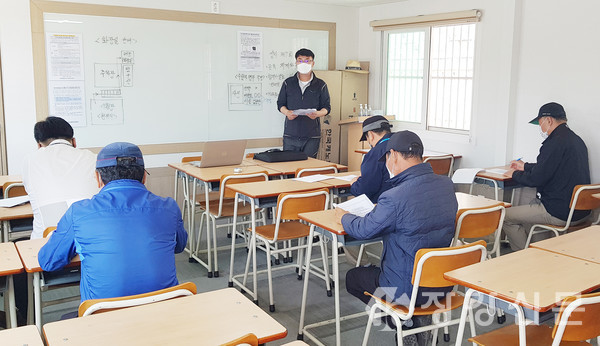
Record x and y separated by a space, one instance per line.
107 157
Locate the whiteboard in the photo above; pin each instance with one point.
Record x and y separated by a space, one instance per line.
152 81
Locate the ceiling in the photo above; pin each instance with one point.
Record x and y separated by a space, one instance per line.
350 3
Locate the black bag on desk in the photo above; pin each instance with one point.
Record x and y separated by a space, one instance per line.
276 155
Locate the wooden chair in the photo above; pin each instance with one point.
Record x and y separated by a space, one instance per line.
428 271
16 189
250 155
225 209
92 306
303 172
248 339
49 231
479 223
441 165
287 226
577 321
580 200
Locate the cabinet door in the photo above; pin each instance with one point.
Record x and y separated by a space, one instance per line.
355 91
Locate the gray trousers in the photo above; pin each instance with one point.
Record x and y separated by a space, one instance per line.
518 221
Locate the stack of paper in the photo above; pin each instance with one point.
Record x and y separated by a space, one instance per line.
13 201
359 206
347 177
314 178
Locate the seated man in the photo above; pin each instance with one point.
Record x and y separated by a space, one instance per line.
374 176
58 172
417 212
126 236
561 165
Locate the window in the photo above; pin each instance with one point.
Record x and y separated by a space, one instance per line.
429 76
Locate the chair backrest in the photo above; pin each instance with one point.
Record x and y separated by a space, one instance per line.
191 158
92 306
248 339
578 319
13 189
229 179
431 264
303 172
48 231
479 222
582 197
441 165
289 205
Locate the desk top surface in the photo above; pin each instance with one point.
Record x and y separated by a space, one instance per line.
272 188
466 201
494 176
28 251
22 211
290 167
582 244
324 219
212 174
533 278
210 318
10 262
339 182
26 336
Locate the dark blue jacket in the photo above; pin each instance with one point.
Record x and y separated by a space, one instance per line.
374 177
418 212
315 96
126 237
561 165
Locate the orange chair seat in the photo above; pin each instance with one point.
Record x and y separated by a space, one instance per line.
450 302
213 196
227 210
287 231
509 335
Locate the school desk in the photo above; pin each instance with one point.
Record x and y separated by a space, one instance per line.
526 283
210 318
582 244
22 336
18 212
10 264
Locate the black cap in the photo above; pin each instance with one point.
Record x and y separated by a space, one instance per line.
373 123
404 141
551 109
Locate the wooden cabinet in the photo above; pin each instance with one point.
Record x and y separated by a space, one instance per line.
347 89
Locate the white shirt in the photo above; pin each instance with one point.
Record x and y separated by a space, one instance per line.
57 174
304 85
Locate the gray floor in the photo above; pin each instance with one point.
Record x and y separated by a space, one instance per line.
287 295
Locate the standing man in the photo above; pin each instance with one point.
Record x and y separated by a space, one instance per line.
417 212
561 165
303 91
126 236
57 173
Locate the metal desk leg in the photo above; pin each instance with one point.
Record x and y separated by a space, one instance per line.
306 275
255 282
5 227
30 318
12 309
336 288
234 228
191 217
37 295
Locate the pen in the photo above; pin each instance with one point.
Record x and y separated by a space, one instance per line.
519 159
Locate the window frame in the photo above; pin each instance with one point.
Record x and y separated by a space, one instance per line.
423 124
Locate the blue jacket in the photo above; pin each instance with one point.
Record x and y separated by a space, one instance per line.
315 96
126 238
374 176
418 212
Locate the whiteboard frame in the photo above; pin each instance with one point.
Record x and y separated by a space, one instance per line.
39 7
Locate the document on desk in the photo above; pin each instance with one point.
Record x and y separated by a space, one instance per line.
13 201
359 206
497 171
465 175
304 111
314 178
347 177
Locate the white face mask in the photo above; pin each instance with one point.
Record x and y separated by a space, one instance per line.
304 68
390 172
543 134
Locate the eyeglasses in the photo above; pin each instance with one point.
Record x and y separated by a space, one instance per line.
299 61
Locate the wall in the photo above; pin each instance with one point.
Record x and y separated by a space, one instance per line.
493 66
559 54
17 63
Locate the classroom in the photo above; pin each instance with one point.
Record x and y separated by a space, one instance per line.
188 66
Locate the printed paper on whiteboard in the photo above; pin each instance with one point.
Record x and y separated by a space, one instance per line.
250 51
